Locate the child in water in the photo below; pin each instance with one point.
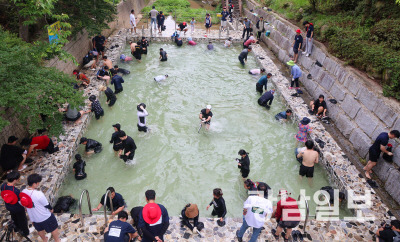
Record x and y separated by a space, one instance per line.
79 168
219 206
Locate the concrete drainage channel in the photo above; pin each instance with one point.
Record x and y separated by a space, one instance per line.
343 173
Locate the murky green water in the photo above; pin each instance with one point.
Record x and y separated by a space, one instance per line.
173 159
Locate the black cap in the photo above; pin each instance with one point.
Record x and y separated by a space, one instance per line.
83 139
117 125
78 157
12 139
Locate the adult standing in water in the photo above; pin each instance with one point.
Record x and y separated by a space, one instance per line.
144 44
205 116
129 147
111 98
219 206
142 114
244 163
268 96
310 158
115 140
243 55
262 82
163 55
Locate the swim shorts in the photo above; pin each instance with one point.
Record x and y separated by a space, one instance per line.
295 50
288 224
373 155
306 171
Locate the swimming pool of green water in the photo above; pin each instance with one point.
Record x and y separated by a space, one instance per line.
179 163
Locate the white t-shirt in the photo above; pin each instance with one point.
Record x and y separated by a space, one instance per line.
38 213
227 43
153 13
142 117
255 71
257 209
132 18
160 78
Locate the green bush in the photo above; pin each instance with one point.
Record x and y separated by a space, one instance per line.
387 32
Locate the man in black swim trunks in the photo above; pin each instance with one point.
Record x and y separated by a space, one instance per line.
205 116
138 52
379 146
310 158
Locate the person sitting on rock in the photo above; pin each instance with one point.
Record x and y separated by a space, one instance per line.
89 61
91 146
319 107
190 212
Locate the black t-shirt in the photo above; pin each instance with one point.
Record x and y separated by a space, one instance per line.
135 214
387 235
12 207
110 94
298 39
318 104
79 167
11 156
309 30
181 26
206 115
144 43
117 201
118 230
115 138
129 145
382 139
219 206
92 144
163 55
245 163
99 40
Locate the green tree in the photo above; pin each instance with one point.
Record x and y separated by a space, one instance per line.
33 92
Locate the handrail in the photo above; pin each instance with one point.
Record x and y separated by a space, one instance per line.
80 205
329 205
108 194
307 213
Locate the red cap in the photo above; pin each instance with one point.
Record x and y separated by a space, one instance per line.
9 197
184 23
75 72
151 213
390 145
26 200
298 31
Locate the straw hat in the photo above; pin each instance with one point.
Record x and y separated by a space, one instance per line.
192 211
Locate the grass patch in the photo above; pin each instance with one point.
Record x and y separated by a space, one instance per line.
183 11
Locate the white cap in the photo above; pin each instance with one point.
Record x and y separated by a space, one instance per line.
208 107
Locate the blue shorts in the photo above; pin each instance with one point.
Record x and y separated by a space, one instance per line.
49 225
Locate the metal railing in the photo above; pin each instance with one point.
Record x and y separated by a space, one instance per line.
80 205
107 195
330 208
307 213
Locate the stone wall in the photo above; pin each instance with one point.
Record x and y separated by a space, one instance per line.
361 112
80 46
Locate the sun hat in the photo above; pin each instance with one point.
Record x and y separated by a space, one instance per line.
283 192
305 121
192 211
290 63
298 31
26 200
9 197
151 213
208 107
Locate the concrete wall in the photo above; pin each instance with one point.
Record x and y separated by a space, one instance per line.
82 44
361 112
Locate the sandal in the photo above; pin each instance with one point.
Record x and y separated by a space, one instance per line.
273 232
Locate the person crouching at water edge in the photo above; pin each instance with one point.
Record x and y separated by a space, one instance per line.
142 113
205 116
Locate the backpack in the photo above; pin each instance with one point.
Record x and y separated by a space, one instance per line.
258 24
86 59
397 237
